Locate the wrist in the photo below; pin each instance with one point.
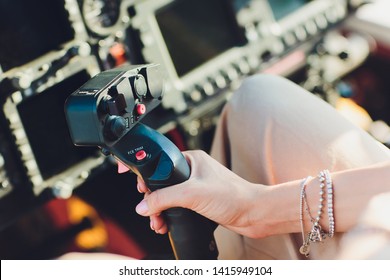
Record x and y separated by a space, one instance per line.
275 209
262 211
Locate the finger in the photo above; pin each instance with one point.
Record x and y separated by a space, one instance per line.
180 195
122 168
158 224
141 186
162 199
163 229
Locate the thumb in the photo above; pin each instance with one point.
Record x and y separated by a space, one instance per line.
160 200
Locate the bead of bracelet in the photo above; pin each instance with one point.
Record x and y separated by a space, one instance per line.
317 233
329 190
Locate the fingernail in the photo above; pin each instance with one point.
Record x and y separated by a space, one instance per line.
142 208
151 224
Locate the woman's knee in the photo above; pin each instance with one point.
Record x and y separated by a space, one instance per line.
262 99
256 89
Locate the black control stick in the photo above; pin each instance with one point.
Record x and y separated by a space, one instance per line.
106 112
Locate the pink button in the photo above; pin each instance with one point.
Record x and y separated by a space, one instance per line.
141 109
140 155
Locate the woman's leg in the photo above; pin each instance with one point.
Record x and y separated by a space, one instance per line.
272 131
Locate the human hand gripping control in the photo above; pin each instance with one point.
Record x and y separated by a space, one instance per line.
212 191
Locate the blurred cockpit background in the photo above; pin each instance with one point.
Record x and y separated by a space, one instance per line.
57 198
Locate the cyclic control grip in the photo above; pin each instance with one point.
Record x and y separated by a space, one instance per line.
106 112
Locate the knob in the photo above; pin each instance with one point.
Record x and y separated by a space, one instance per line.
113 105
115 127
112 91
154 82
139 85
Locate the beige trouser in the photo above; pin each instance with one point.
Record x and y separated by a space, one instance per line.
272 131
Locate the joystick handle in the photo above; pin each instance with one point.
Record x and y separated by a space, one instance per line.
106 111
160 163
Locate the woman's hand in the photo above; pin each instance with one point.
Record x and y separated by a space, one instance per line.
212 190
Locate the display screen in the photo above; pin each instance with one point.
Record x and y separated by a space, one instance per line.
44 122
197 31
282 8
29 29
